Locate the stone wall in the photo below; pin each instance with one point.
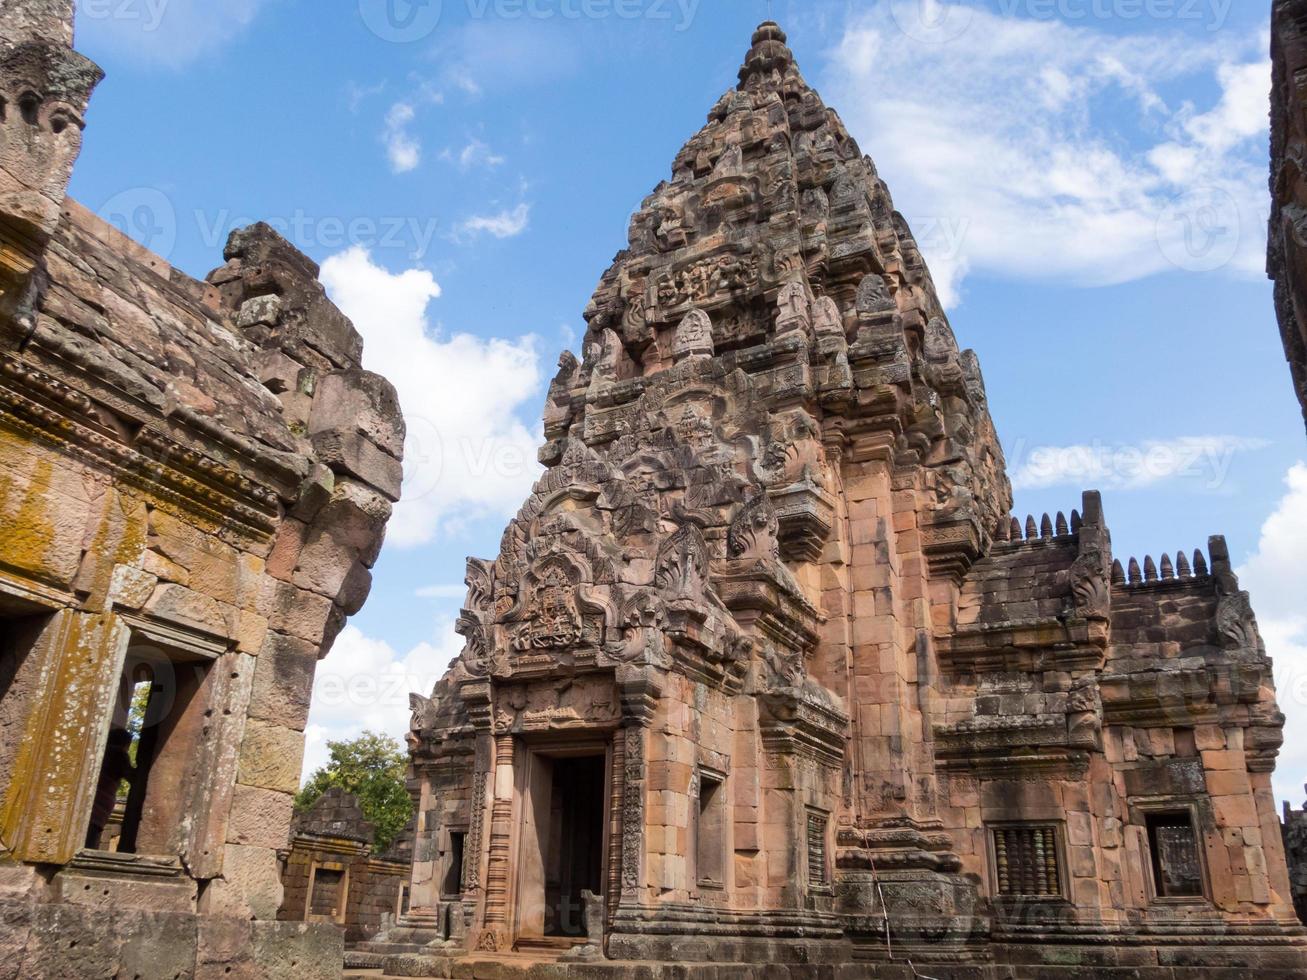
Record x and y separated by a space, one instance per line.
772 563
361 891
1288 227
195 479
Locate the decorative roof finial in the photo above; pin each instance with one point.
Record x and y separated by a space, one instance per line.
769 52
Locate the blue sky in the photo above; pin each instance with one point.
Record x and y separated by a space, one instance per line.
1087 179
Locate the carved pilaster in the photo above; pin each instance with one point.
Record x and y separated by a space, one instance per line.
615 823
635 774
494 936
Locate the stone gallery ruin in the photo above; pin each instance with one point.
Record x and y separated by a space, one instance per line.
765 680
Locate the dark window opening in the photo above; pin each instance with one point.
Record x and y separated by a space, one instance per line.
326 900
158 727
1026 862
1177 867
817 874
453 884
710 833
29 106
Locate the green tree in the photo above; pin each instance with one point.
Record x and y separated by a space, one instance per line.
372 768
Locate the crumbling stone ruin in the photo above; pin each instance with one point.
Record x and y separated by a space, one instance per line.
332 875
767 681
195 479
1294 828
1288 230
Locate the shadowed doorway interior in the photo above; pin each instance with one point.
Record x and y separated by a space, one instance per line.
563 845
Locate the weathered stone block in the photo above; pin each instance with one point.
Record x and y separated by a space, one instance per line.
260 817
271 757
283 681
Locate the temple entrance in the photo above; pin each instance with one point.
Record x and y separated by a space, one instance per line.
563 844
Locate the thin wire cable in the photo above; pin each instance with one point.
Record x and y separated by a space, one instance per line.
884 911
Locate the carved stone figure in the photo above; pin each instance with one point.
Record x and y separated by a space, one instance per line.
874 296
693 337
775 677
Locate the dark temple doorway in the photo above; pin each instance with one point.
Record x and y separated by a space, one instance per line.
563 846
575 855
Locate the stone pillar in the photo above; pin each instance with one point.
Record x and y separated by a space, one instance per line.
495 929
639 696
617 795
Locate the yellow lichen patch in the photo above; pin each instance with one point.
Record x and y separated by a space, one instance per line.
44 506
117 537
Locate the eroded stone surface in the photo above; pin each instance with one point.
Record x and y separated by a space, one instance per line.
333 875
156 436
766 645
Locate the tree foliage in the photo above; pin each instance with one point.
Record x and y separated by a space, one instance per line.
372 768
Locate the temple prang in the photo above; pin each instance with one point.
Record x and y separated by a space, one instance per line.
766 672
195 479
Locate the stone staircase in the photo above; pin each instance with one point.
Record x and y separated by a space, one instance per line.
410 935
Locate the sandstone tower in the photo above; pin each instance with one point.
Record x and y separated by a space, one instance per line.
766 673
195 479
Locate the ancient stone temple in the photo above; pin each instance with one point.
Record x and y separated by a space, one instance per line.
195 478
1288 229
332 875
767 680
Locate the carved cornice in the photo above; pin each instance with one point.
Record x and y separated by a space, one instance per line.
1024 645
39 406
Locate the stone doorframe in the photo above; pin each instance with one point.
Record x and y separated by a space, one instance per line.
529 750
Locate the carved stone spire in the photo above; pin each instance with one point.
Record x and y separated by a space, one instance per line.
769 54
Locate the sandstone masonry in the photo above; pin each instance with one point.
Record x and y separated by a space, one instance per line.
195 479
766 681
332 875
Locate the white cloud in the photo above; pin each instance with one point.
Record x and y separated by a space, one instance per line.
402 148
469 454
1202 460
364 685
1274 577
475 154
356 94
166 33
1051 148
505 224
